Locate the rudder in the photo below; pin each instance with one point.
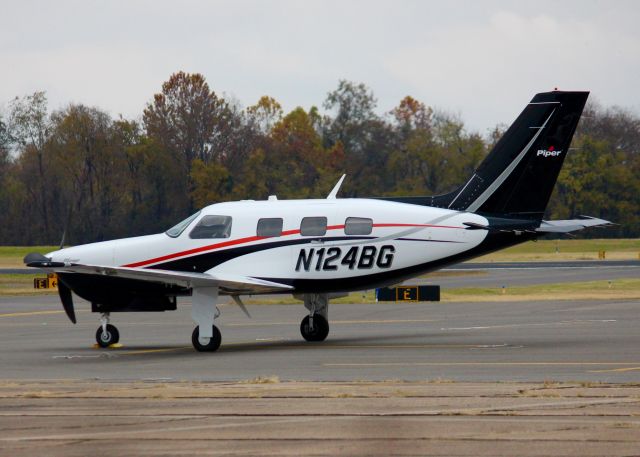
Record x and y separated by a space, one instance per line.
517 177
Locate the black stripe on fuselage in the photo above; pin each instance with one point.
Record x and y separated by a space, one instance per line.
207 260
493 242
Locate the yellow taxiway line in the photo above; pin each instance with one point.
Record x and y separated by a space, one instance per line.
338 322
616 370
464 364
121 349
29 313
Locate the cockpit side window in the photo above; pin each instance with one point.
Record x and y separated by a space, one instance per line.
212 227
177 229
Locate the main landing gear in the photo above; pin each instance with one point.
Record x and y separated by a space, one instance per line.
107 334
315 326
206 336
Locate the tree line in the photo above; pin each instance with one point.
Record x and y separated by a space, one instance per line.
82 174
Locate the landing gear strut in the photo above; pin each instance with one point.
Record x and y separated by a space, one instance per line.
206 336
107 334
315 326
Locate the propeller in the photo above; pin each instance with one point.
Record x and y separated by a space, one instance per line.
37 260
67 301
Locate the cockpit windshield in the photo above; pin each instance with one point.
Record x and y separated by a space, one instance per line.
177 229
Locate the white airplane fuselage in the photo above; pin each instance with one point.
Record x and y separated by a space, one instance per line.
402 236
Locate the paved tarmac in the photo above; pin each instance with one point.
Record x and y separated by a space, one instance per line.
519 341
97 418
467 379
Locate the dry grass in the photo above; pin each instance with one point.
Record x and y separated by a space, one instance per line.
21 285
262 380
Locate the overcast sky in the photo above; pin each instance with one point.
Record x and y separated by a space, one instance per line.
480 59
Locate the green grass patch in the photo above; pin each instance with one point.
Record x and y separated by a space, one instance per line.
615 289
21 251
12 256
575 246
562 250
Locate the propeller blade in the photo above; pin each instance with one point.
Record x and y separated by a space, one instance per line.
67 301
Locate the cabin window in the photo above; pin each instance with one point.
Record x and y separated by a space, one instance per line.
270 226
212 227
358 226
313 226
177 229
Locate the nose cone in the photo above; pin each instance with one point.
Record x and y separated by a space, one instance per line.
56 256
86 254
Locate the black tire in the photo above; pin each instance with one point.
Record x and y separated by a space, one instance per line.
112 336
320 328
212 345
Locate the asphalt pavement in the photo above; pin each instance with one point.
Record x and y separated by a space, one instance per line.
523 378
519 341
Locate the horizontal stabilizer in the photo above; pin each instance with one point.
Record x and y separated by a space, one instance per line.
571 225
523 225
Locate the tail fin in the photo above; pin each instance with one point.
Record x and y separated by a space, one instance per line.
517 177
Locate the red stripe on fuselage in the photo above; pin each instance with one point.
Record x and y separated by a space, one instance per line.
249 239
417 225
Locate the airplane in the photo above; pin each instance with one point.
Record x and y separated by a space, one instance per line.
317 249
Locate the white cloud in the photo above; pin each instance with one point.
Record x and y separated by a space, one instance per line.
492 69
481 59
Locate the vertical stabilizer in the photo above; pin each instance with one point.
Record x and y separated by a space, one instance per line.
519 174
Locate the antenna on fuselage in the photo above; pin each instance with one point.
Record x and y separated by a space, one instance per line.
64 235
336 188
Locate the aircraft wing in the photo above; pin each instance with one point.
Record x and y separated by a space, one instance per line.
229 284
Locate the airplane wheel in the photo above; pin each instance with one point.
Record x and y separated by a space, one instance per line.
111 336
320 328
212 345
